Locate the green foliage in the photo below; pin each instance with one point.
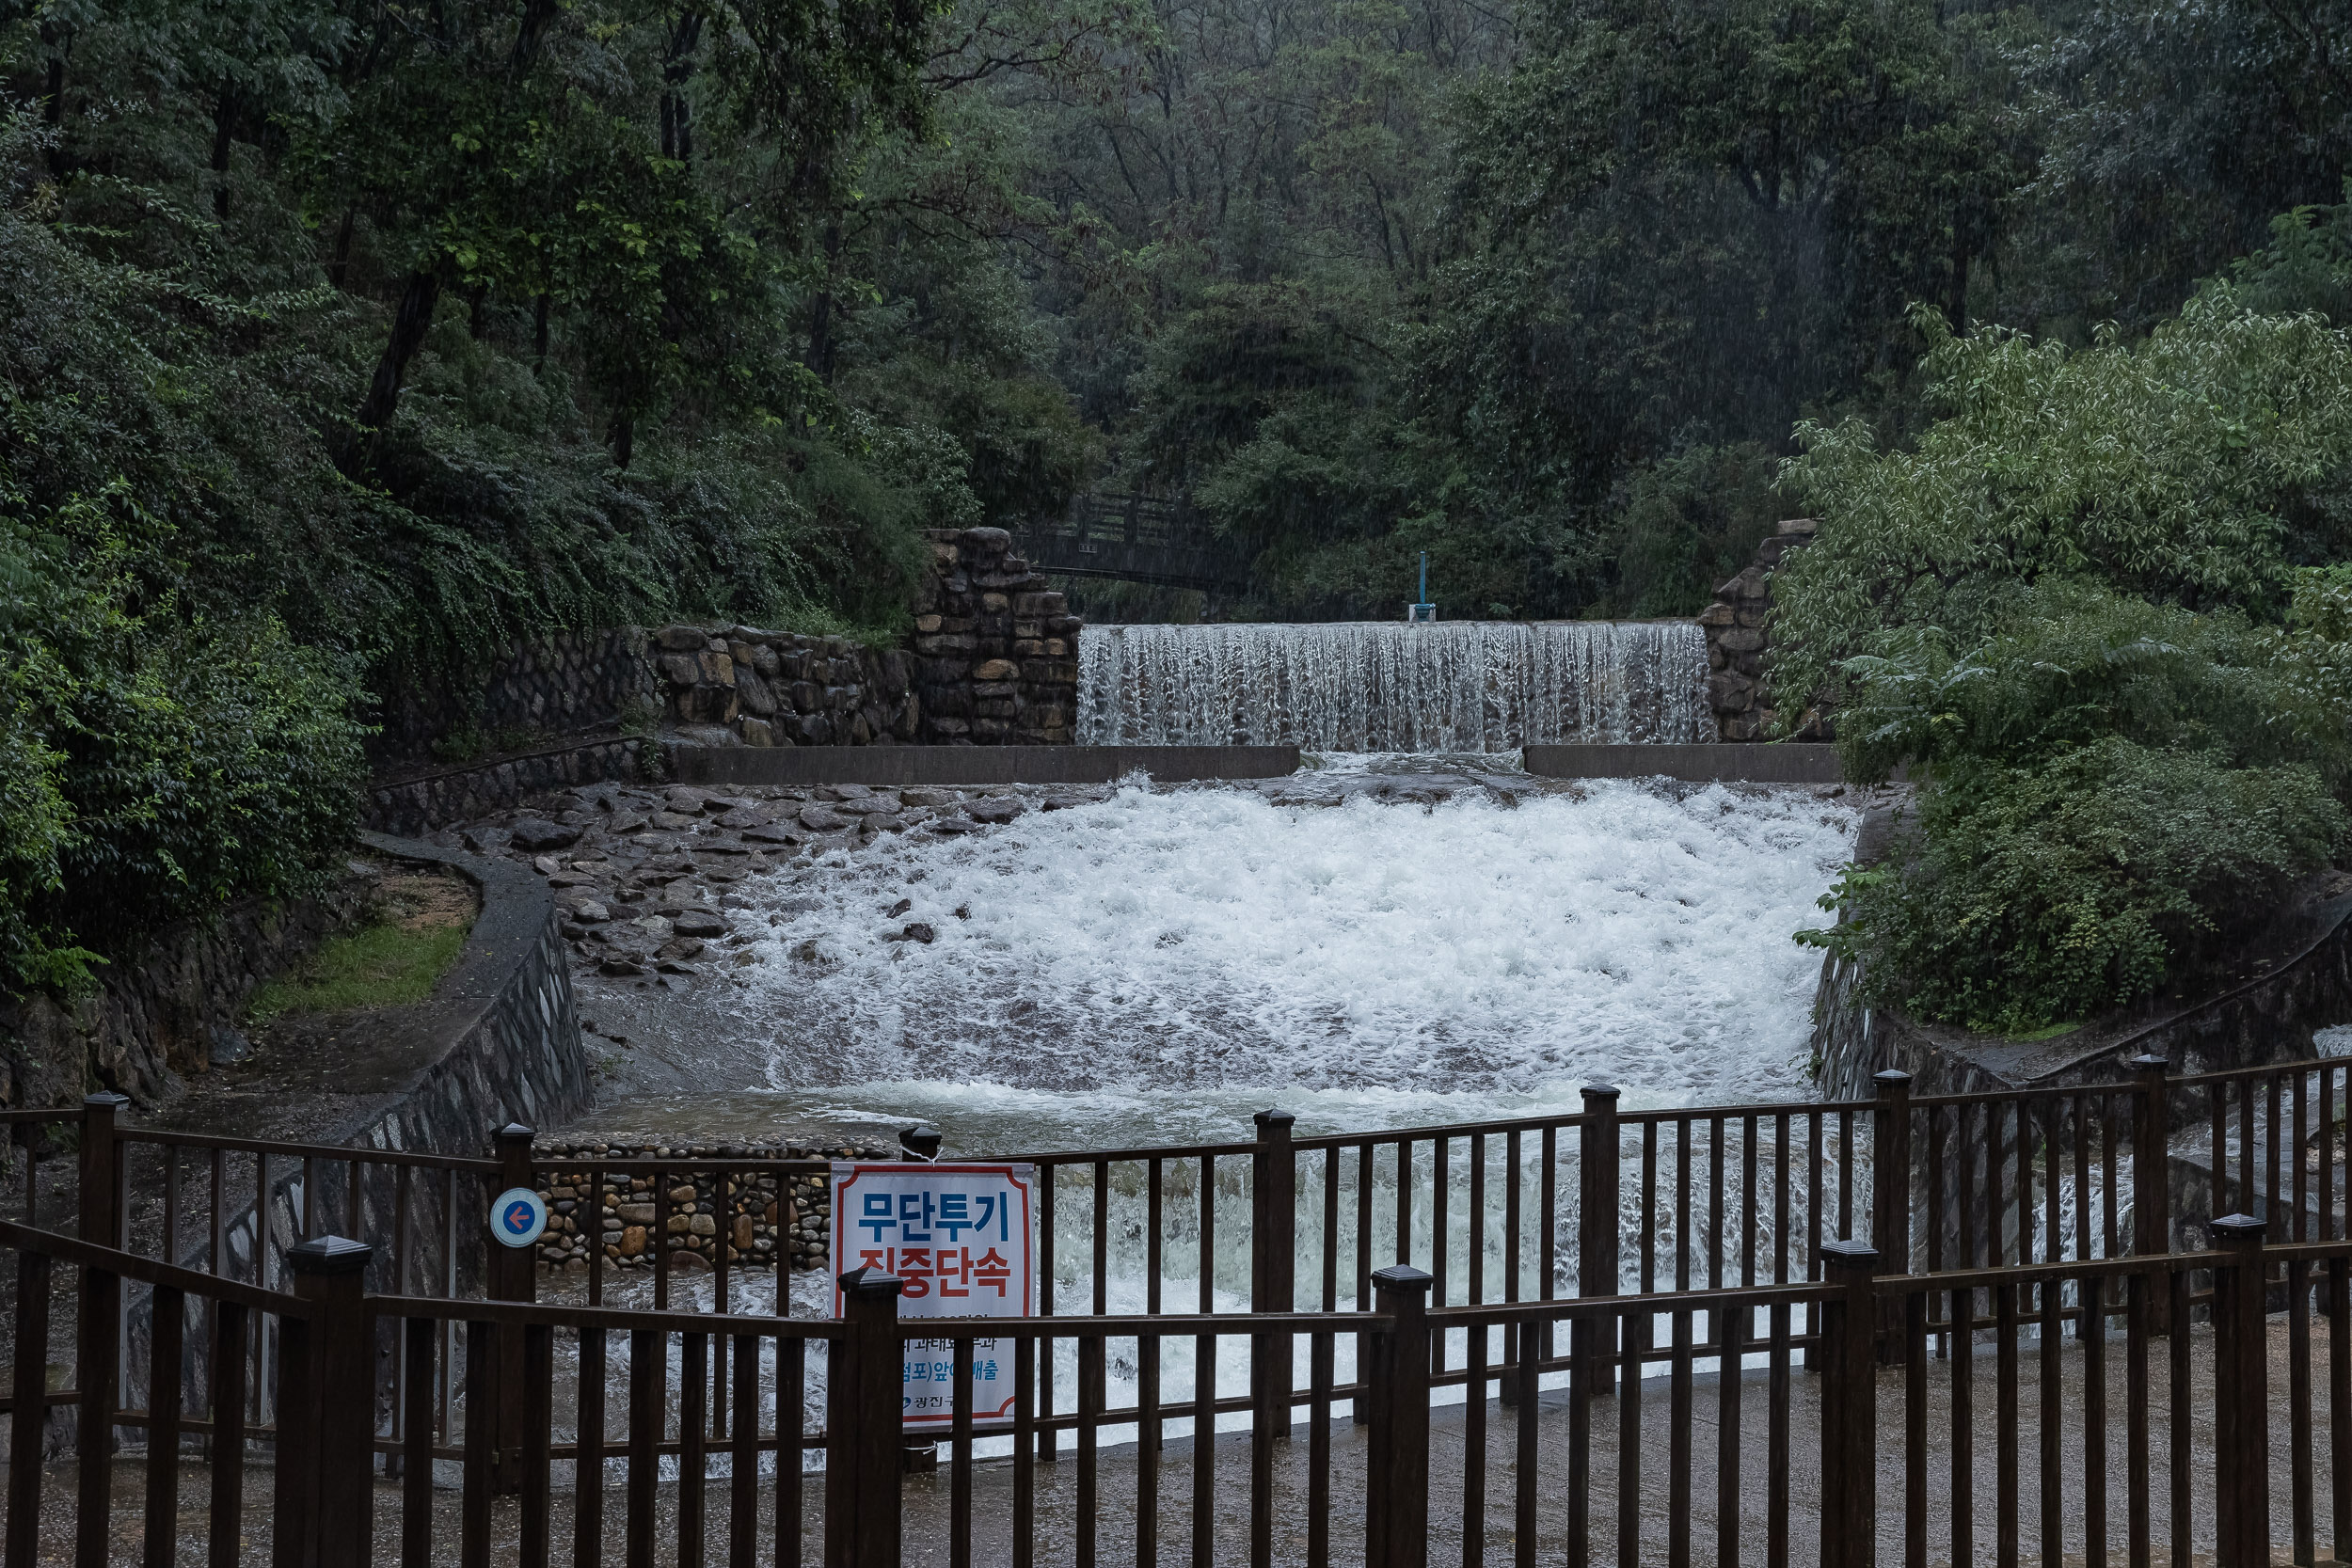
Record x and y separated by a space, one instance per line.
2306 266
2196 465
2168 139
2114 791
2055 890
1688 522
2068 664
389 964
161 761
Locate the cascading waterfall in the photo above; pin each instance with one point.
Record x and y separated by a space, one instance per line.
1369 686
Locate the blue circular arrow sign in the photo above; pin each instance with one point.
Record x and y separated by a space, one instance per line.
518 1217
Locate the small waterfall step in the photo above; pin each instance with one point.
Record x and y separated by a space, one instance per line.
1449 686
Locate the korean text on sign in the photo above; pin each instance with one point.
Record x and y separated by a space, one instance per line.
959 1235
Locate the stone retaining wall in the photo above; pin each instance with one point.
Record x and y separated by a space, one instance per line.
998 650
420 804
994 662
740 686
159 1015
1735 631
751 1219
566 684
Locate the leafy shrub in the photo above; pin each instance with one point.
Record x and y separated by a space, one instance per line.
2199 466
2115 792
1688 521
2045 893
156 762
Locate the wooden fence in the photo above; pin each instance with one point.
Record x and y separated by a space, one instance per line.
2093 1436
323 1325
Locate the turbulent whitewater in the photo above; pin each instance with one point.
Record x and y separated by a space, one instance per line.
1452 685
1155 966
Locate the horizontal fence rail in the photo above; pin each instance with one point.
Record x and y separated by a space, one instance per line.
1242 1288
2182 1408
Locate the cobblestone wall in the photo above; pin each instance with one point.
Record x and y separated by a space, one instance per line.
1735 638
756 1215
997 653
569 683
740 686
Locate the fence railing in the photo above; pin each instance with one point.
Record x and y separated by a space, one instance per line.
1598 1202
2054 1415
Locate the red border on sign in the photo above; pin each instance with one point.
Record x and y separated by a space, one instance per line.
1010 1173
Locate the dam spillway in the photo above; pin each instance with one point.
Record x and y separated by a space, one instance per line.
1368 685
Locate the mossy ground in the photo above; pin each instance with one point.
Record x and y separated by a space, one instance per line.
417 928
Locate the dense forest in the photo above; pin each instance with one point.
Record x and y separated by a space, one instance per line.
343 341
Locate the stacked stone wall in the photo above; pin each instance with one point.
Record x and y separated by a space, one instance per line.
540 690
156 1016
738 685
419 803
756 1214
996 649
994 662
1735 642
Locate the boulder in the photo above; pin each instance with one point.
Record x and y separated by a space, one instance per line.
537 833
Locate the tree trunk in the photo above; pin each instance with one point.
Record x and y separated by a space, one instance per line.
820 343
337 269
624 440
677 68
409 323
223 128
539 336
60 41
530 34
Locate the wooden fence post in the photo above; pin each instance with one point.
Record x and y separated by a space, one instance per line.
1396 1475
2241 1424
1273 1288
865 1424
29 1419
99 1344
335 1432
2151 1177
1850 1406
1890 1199
514 1275
1598 1204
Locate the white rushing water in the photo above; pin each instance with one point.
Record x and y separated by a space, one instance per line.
1157 966
1449 686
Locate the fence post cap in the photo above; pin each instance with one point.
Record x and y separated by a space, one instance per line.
1853 1253
512 1132
104 1099
1402 1276
1892 1079
1269 1121
868 1283
2237 1228
2148 1063
329 1256
1601 1091
921 1141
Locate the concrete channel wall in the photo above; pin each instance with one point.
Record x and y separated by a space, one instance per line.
965 766
1729 762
